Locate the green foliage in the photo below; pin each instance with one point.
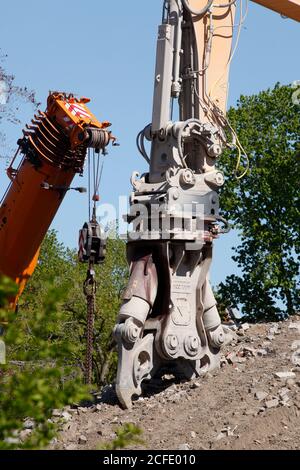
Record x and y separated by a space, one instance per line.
39 381
7 290
127 435
59 265
264 205
45 340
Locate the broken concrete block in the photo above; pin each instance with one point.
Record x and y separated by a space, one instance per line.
295 326
283 392
82 439
66 416
290 383
261 352
274 330
285 399
247 351
184 447
296 358
231 357
260 395
285 375
272 403
269 337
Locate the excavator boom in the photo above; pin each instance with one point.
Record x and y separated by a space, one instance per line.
168 320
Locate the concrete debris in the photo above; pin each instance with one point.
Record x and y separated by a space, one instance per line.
220 436
241 355
195 385
12 440
248 352
295 326
274 330
270 337
260 395
283 392
230 326
296 358
228 431
231 357
66 416
223 362
82 439
268 370
177 397
241 360
261 352
81 409
290 383
240 332
245 326
235 358
272 403
25 434
285 375
184 447
71 447
285 399
29 424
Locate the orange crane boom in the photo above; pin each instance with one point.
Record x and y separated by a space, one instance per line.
288 8
54 147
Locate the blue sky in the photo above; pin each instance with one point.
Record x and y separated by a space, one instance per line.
106 51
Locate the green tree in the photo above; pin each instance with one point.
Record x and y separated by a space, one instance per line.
128 435
264 205
59 270
40 381
45 340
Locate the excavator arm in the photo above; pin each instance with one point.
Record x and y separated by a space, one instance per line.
53 151
169 320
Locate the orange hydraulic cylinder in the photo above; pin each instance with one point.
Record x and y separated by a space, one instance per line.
26 213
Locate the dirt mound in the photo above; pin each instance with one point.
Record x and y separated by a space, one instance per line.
252 402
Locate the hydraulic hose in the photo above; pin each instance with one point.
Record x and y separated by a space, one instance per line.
227 228
207 7
198 12
179 138
226 5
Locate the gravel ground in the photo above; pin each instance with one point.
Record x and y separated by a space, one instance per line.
252 402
